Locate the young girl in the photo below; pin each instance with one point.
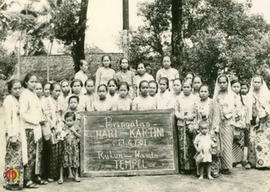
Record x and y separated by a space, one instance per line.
73 103
39 90
164 97
112 90
176 90
189 76
71 153
203 143
76 86
204 104
56 127
82 73
144 101
31 115
125 74
90 94
246 100
46 89
46 104
141 75
153 88
102 103
244 88
123 102
167 71
65 87
239 125
16 156
185 112
105 72
196 84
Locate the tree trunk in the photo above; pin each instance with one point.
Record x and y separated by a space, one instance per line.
177 40
78 47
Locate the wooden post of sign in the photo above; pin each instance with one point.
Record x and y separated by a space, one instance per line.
125 27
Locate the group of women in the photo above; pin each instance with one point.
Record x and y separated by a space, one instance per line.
42 120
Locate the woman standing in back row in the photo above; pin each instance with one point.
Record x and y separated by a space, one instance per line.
105 72
167 71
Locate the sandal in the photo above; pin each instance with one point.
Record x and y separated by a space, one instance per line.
41 181
60 181
50 180
31 185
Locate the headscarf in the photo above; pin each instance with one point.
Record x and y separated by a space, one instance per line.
230 94
262 98
216 110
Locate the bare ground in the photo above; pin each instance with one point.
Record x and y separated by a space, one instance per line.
240 180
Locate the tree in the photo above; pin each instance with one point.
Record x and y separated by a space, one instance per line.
177 41
213 35
69 25
152 40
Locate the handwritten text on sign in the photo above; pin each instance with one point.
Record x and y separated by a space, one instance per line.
128 143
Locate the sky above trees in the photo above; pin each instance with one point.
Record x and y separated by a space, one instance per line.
105 20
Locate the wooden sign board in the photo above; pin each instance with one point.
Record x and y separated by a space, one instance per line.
128 143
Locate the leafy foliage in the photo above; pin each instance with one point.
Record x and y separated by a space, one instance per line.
217 34
7 63
65 19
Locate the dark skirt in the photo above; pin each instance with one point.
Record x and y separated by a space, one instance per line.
186 148
52 160
226 141
34 152
14 172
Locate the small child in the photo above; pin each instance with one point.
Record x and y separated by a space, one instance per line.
203 144
71 152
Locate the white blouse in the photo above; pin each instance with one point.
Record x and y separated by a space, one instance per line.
31 112
165 100
12 118
144 103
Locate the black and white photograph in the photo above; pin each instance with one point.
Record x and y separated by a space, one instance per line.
135 95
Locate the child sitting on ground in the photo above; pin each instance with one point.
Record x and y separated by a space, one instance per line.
203 144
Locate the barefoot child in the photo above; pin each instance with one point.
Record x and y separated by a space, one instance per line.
203 144
70 146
